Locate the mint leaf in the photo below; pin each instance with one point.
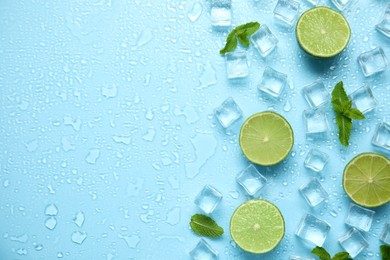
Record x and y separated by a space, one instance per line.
321 253
345 128
385 251
355 114
341 256
339 97
242 32
231 43
205 226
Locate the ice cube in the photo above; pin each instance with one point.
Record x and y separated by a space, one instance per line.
264 41
294 257
384 25
273 82
251 180
316 121
313 192
313 229
381 136
385 237
221 13
228 112
316 160
208 199
203 251
316 94
359 217
363 99
341 4
353 242
287 11
373 61
237 65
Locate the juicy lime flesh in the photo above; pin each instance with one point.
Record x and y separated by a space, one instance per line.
266 138
257 226
323 32
366 180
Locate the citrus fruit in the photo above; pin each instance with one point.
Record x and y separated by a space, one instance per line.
266 138
366 179
257 226
323 32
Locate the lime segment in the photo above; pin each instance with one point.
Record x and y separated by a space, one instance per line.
257 226
366 180
323 32
266 138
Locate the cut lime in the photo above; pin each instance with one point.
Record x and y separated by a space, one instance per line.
323 32
266 138
257 226
366 180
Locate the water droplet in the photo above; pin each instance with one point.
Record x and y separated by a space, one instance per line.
208 76
234 194
144 38
51 223
195 12
173 216
109 91
79 219
32 146
38 247
78 237
287 106
149 136
67 144
21 239
149 114
92 156
75 123
333 213
131 241
60 255
51 210
122 139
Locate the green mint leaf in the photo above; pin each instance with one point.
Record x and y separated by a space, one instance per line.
385 251
355 114
231 43
339 97
345 127
341 256
321 253
243 40
346 107
242 32
247 29
205 226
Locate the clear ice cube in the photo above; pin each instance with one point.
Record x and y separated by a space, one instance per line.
381 136
313 229
264 41
359 217
316 121
385 237
251 180
384 25
316 94
221 13
208 199
341 4
373 61
287 11
316 160
237 65
363 99
353 242
228 112
203 251
273 82
313 192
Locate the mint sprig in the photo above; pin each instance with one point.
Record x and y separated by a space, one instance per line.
205 226
324 255
345 113
385 251
241 32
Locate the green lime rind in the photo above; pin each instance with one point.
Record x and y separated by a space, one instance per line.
257 226
323 32
266 138
366 180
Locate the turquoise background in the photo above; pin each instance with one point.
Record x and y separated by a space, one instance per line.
107 108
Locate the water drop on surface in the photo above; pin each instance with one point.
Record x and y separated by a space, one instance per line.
195 12
92 156
79 219
78 237
51 223
51 210
131 241
173 216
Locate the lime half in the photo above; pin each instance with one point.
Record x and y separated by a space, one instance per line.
323 32
366 179
266 138
257 226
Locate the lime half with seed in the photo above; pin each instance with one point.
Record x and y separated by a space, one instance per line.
366 180
266 138
323 32
257 226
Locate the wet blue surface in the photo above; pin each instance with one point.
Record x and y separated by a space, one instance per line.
107 113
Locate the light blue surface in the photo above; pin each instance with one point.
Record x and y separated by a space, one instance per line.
107 108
